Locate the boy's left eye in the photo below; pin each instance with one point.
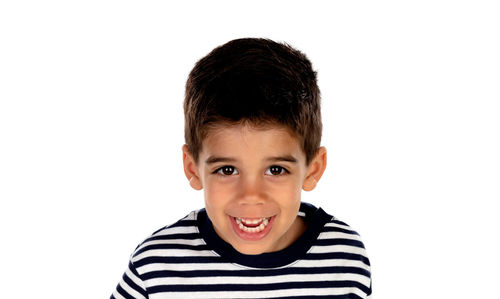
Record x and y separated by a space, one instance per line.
276 170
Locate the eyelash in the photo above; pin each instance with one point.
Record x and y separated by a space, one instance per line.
282 170
220 170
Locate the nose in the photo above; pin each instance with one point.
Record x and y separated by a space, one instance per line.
252 191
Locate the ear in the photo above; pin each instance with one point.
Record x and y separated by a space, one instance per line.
315 170
190 169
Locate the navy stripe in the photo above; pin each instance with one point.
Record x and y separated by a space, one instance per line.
171 246
183 223
258 287
174 236
350 242
339 230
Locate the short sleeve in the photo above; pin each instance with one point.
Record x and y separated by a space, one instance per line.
131 285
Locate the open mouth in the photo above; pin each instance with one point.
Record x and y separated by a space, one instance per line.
252 225
252 229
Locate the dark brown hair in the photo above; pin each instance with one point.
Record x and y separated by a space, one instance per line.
253 80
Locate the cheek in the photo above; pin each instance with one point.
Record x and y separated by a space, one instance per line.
290 186
216 193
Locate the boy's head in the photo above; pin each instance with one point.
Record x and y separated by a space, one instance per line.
255 81
253 129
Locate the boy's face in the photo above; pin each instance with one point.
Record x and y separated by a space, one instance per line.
252 180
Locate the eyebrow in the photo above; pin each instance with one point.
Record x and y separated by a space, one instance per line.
286 158
215 159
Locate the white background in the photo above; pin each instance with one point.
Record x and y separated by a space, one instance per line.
91 128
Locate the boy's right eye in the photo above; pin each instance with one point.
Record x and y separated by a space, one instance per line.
226 170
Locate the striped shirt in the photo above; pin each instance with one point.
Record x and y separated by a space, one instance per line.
189 260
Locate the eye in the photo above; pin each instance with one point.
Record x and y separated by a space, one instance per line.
276 170
226 170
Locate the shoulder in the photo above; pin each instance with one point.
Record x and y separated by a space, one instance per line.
340 239
337 232
331 233
329 227
186 224
181 235
340 246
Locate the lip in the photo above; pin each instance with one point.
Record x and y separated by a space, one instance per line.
247 236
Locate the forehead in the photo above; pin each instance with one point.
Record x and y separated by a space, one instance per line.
237 139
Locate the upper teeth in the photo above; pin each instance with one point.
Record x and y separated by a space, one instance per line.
250 221
242 224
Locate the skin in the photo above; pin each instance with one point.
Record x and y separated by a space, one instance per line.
251 172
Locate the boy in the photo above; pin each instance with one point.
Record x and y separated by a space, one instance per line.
253 131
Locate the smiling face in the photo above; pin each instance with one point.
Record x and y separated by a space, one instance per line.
252 180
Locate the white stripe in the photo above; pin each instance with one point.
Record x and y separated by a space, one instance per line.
332 263
338 235
261 294
191 216
188 267
346 227
338 248
191 242
231 267
173 252
256 280
177 230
